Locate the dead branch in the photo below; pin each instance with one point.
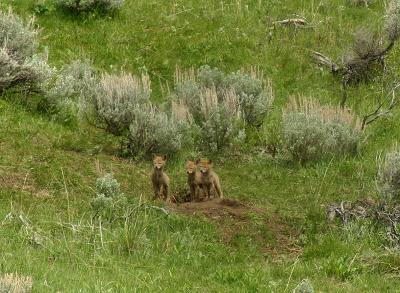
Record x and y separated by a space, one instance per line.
323 60
379 111
292 21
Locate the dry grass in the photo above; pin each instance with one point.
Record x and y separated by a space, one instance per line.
14 283
210 102
182 76
180 112
119 87
310 106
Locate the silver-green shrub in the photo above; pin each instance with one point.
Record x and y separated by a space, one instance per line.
20 63
222 123
311 131
389 174
109 201
78 6
210 77
115 100
153 131
73 84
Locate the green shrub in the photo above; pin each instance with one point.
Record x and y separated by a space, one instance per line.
109 201
389 174
311 131
78 6
20 63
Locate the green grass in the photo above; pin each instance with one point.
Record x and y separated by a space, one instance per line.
48 171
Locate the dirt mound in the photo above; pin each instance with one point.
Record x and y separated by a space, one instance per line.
235 219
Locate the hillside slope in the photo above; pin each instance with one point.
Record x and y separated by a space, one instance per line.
48 171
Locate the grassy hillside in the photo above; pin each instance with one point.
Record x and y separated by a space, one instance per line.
48 171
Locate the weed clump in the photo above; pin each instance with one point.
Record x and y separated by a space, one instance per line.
20 62
78 6
312 131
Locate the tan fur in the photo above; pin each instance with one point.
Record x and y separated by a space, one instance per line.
209 179
159 179
193 180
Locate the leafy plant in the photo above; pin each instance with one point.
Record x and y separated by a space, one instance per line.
254 93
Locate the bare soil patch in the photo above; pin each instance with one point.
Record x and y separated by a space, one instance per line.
235 219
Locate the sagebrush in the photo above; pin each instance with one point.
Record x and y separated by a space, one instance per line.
253 91
114 101
152 131
21 64
109 202
312 131
221 106
73 84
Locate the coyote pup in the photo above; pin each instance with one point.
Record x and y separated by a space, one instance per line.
159 179
209 179
193 180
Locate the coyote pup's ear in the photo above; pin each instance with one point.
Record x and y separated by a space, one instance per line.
197 161
164 157
210 162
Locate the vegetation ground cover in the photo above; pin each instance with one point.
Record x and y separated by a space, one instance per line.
48 170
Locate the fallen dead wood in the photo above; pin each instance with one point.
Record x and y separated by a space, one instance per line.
292 21
380 213
323 60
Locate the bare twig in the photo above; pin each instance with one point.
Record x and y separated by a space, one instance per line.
379 111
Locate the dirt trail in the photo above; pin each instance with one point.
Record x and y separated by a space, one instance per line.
234 218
